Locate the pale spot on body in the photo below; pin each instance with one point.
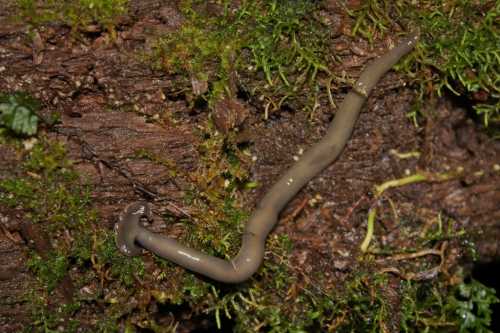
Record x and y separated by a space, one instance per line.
189 256
140 211
125 249
361 89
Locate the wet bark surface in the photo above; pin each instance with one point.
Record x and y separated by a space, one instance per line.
112 105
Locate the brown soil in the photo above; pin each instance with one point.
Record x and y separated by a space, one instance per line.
112 105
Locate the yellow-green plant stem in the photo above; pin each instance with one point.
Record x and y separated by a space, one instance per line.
369 231
403 156
416 178
420 176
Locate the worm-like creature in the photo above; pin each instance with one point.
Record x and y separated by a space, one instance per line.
131 235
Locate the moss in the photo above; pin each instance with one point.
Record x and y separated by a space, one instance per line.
463 45
45 319
257 304
465 307
107 257
78 14
470 303
50 271
213 197
48 188
458 52
282 41
372 18
54 196
51 195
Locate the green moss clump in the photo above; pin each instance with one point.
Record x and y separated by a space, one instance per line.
48 188
458 51
76 13
361 305
372 17
470 303
282 41
46 320
50 271
465 307
122 268
462 44
54 196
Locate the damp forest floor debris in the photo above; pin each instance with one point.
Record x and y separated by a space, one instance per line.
197 107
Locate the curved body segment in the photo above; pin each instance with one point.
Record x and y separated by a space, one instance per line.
130 233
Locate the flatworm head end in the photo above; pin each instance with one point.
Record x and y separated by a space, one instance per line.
129 226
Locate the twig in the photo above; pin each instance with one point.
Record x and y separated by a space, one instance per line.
424 275
351 209
406 256
7 233
329 92
296 211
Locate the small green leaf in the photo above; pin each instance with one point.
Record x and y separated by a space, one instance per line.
17 113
